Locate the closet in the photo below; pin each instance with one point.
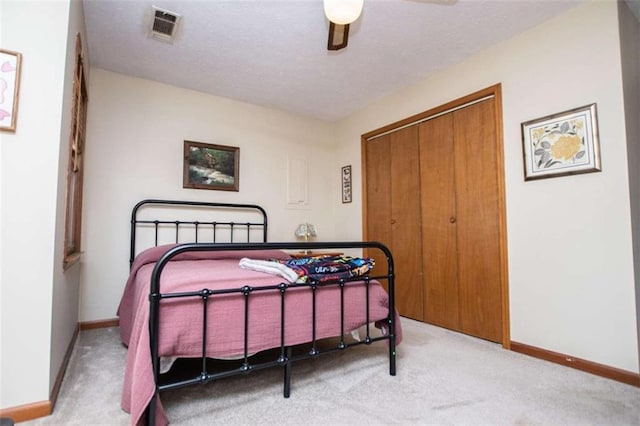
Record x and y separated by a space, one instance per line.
433 194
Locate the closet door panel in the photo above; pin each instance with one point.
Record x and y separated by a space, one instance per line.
439 253
478 228
405 221
378 204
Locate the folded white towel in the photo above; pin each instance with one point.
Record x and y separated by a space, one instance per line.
269 267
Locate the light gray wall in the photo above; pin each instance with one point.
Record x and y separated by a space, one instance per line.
630 52
66 284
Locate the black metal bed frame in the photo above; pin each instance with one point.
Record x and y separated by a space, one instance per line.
215 225
285 357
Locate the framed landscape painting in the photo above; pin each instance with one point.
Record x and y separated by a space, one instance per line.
209 166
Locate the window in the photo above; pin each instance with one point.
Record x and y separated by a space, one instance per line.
75 171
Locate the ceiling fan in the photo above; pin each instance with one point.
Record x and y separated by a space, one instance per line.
341 13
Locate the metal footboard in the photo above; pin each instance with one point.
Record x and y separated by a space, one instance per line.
285 356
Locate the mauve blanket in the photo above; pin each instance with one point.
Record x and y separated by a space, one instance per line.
180 319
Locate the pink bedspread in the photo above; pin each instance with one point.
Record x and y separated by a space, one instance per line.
180 319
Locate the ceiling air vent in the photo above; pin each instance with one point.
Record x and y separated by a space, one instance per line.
164 24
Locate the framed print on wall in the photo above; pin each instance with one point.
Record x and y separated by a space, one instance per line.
10 63
346 184
561 144
209 166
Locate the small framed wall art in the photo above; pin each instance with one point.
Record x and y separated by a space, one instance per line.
561 144
10 63
346 184
208 166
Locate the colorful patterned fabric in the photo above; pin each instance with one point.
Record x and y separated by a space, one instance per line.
326 268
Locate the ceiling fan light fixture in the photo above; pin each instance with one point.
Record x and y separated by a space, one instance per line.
343 12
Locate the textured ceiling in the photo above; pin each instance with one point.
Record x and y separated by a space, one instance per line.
273 53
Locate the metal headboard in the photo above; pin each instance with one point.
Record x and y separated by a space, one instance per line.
198 225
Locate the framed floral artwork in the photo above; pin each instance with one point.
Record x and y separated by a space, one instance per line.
561 144
9 89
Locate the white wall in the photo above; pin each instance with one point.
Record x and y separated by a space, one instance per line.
30 202
571 278
135 135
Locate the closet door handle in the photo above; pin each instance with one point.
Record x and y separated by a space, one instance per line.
452 219
393 221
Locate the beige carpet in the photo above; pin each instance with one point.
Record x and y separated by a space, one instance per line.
443 378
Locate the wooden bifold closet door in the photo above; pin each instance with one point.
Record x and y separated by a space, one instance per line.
438 209
460 222
433 196
393 189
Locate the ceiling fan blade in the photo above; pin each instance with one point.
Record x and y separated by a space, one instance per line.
338 36
443 2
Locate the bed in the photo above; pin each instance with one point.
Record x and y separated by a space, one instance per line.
189 298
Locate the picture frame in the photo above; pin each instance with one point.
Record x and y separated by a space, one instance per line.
10 65
211 166
346 184
562 144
